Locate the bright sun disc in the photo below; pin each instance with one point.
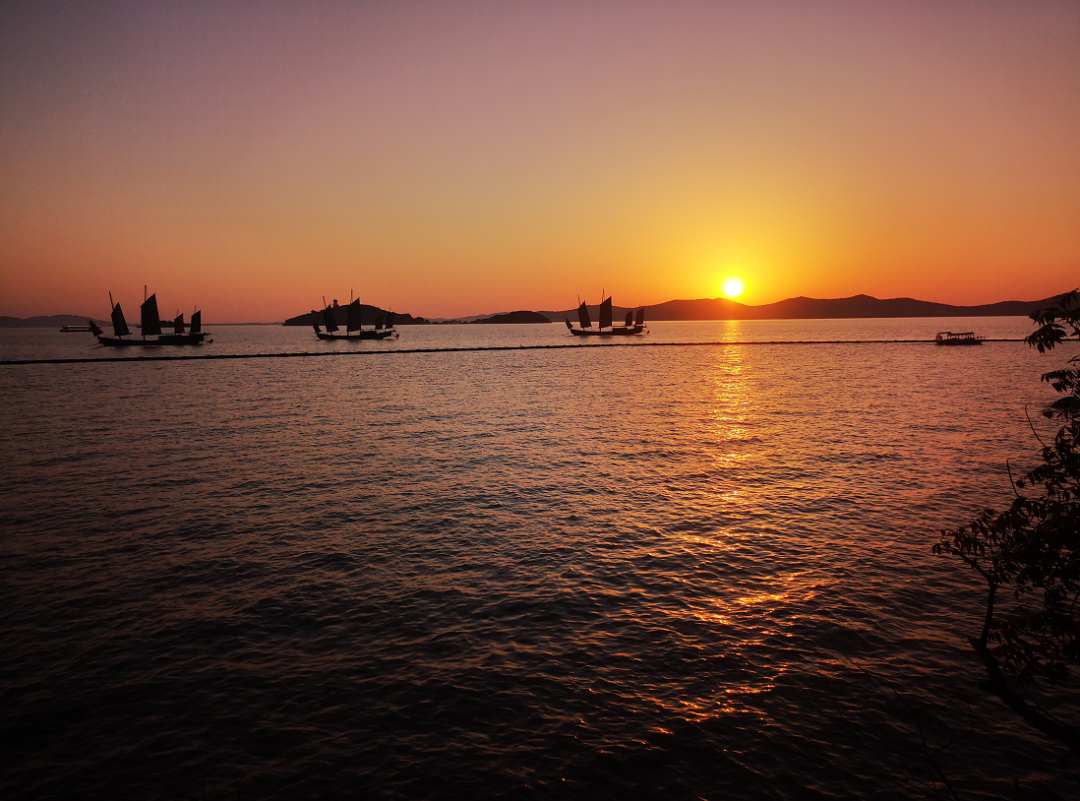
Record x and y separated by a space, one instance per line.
733 287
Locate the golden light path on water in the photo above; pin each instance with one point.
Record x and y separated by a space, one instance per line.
729 400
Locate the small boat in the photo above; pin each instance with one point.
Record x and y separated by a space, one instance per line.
962 338
152 335
73 329
606 329
354 328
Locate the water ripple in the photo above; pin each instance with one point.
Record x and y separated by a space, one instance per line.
501 575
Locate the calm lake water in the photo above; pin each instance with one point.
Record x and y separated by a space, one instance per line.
608 571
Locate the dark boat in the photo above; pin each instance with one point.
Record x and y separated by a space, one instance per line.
73 329
605 329
964 338
354 328
152 335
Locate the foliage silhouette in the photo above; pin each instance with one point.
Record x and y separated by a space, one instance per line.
1031 551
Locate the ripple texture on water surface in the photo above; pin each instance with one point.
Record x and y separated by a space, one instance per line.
610 573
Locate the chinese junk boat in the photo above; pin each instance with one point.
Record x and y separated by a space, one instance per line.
151 328
963 338
634 325
353 327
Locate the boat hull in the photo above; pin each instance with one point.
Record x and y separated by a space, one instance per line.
164 339
953 339
609 332
382 334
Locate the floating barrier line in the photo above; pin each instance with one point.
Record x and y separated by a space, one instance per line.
471 349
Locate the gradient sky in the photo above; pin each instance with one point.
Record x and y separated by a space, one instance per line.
452 158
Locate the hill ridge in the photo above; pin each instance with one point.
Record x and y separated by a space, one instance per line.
800 307
806 308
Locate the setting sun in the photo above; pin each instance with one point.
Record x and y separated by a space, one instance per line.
733 287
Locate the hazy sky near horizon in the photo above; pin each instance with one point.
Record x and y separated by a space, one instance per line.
454 158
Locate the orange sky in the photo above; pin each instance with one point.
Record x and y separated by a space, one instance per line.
448 159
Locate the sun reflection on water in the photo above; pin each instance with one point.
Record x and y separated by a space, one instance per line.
744 593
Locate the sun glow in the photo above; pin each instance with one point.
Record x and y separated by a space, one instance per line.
733 287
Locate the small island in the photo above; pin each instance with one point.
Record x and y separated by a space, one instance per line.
368 315
514 318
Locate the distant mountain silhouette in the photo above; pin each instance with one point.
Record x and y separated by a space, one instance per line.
367 315
513 318
802 308
50 321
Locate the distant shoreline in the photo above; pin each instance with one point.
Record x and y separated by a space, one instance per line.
60 320
702 310
27 325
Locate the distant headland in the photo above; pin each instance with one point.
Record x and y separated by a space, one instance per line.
513 318
368 315
800 308
50 321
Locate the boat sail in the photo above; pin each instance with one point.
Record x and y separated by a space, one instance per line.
151 323
353 320
605 328
354 328
328 320
151 328
605 314
119 324
583 316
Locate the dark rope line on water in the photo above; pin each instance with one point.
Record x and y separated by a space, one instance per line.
470 349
